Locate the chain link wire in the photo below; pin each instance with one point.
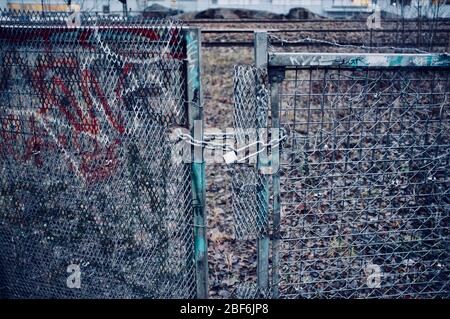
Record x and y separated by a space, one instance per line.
87 179
250 291
250 111
86 170
364 183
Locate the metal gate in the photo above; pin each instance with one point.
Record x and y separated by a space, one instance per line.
356 187
92 202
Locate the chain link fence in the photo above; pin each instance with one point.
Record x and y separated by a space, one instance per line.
92 204
365 186
363 179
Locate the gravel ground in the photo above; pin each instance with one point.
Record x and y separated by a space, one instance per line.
231 261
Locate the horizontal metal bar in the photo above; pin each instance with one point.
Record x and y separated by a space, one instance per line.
355 60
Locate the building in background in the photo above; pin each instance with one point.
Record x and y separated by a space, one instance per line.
113 6
63 5
276 6
343 8
331 8
37 5
414 8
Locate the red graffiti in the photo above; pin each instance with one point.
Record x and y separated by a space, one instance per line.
116 122
34 145
66 101
57 93
71 95
107 155
86 38
11 129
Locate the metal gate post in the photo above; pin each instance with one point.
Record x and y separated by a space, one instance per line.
276 76
195 110
261 59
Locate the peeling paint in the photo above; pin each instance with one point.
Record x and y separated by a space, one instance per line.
352 60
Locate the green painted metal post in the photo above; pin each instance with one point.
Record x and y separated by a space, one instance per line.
261 59
276 76
195 111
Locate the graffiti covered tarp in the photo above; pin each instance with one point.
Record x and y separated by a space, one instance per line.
91 204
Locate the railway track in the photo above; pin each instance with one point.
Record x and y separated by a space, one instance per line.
431 34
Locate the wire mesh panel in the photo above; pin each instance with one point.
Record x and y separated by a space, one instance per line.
364 180
248 184
92 204
249 187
